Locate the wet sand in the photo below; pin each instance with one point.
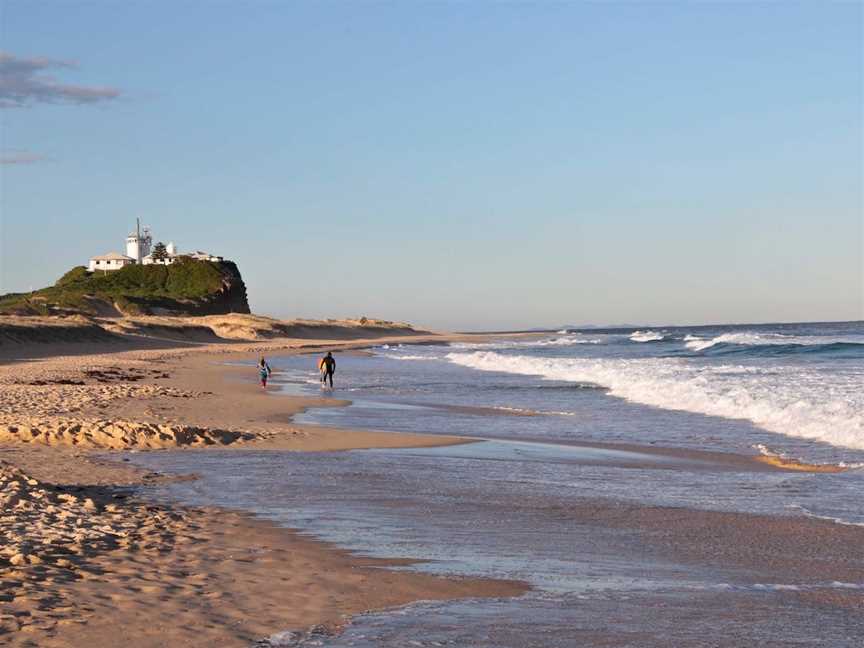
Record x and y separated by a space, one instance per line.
138 574
606 571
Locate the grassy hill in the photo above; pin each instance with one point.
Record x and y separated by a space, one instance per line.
188 287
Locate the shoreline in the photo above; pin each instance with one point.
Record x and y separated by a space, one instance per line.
80 591
190 398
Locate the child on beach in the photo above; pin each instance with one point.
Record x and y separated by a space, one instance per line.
264 372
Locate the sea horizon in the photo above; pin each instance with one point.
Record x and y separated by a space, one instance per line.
613 328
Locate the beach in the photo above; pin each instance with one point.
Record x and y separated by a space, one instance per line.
130 479
86 562
590 276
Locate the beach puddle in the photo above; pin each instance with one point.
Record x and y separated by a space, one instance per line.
546 453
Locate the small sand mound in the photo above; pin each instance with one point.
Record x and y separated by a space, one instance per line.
116 435
44 524
798 466
50 534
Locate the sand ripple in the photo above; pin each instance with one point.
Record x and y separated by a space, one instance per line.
115 435
48 396
47 535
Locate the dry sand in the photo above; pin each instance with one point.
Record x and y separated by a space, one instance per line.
83 562
122 396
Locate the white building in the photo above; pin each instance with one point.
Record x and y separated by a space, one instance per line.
198 255
139 249
110 261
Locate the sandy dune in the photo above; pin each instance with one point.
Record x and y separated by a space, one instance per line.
156 331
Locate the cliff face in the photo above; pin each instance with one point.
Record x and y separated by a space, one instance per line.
225 294
187 287
232 295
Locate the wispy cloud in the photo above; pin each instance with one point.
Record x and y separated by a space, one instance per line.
21 157
28 81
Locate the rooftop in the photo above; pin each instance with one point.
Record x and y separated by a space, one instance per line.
112 256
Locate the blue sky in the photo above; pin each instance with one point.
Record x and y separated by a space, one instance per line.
458 165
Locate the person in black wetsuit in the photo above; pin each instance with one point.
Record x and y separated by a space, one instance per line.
327 366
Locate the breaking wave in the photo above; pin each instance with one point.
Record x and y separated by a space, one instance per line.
394 356
569 340
792 402
647 336
745 339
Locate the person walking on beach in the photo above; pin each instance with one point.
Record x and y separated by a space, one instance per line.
264 372
327 367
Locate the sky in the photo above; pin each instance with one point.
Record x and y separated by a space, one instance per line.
458 165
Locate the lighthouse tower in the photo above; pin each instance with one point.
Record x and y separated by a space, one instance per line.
138 243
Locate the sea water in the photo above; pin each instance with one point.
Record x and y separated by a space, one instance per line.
504 507
487 509
790 390
796 389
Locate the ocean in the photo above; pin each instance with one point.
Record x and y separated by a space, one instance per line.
594 444
798 387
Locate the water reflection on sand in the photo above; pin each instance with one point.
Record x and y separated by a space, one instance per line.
605 546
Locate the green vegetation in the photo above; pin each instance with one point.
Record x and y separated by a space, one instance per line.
131 289
160 252
75 275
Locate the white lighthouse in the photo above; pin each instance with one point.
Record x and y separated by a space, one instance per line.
138 243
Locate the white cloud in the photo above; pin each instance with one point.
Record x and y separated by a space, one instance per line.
26 81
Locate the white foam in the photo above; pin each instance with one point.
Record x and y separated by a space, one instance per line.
522 410
784 587
696 343
829 518
401 353
393 356
647 336
794 401
569 340
851 465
